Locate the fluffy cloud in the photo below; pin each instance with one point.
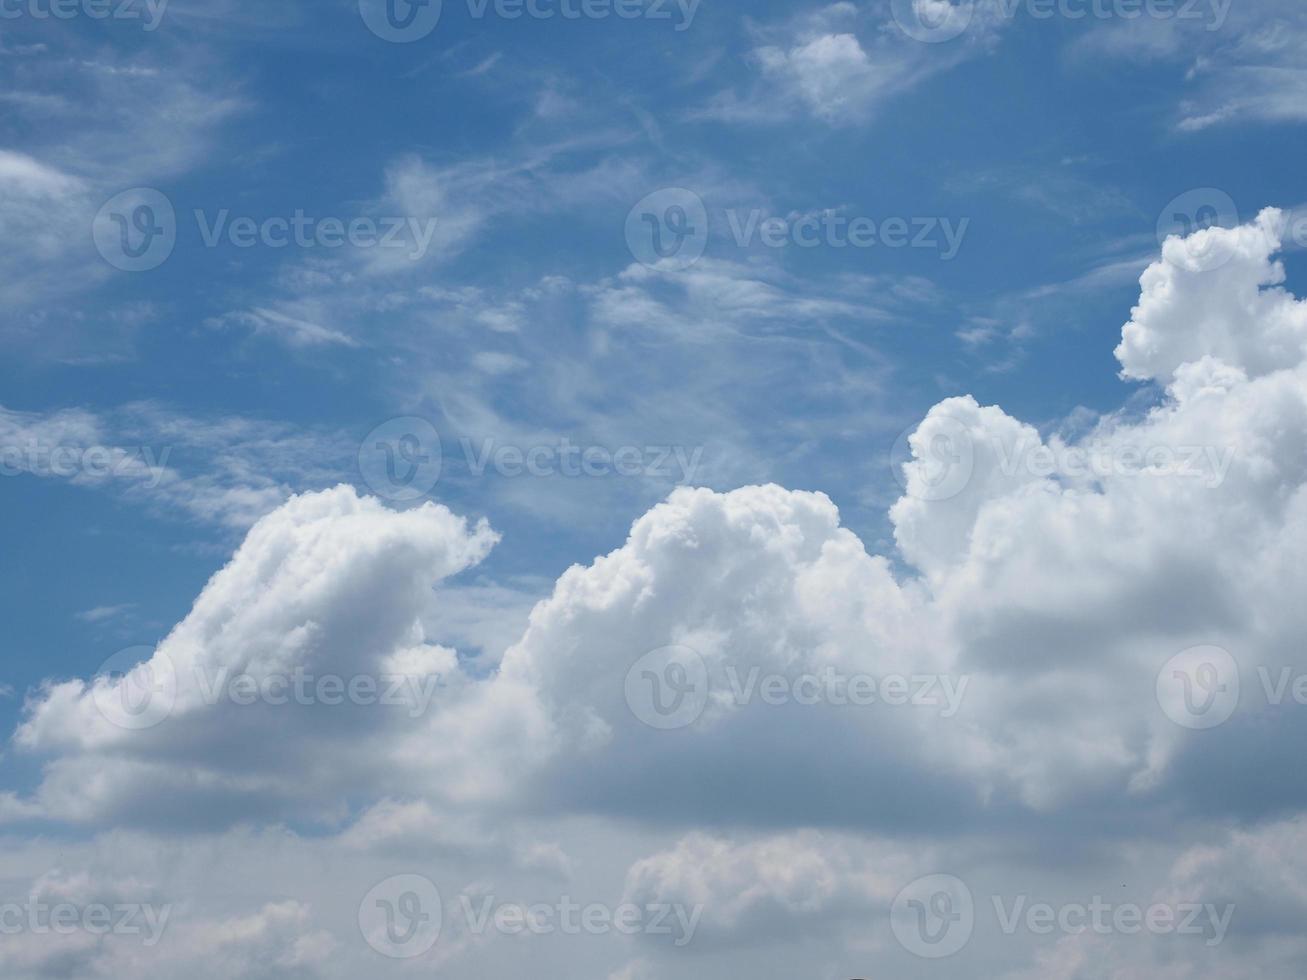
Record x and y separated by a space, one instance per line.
130 925
331 585
1216 294
1048 583
770 889
1055 580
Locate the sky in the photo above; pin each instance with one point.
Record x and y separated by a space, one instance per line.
647 489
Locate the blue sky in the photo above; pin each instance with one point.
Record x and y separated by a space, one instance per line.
1034 164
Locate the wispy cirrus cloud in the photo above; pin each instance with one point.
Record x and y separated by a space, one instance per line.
838 63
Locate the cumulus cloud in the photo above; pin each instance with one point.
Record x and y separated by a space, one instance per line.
1045 584
131 925
1053 574
1217 294
771 889
331 585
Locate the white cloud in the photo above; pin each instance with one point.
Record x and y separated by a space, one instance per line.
1057 591
221 471
1040 585
302 592
293 330
772 889
1216 294
840 64
1243 61
88 124
831 74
